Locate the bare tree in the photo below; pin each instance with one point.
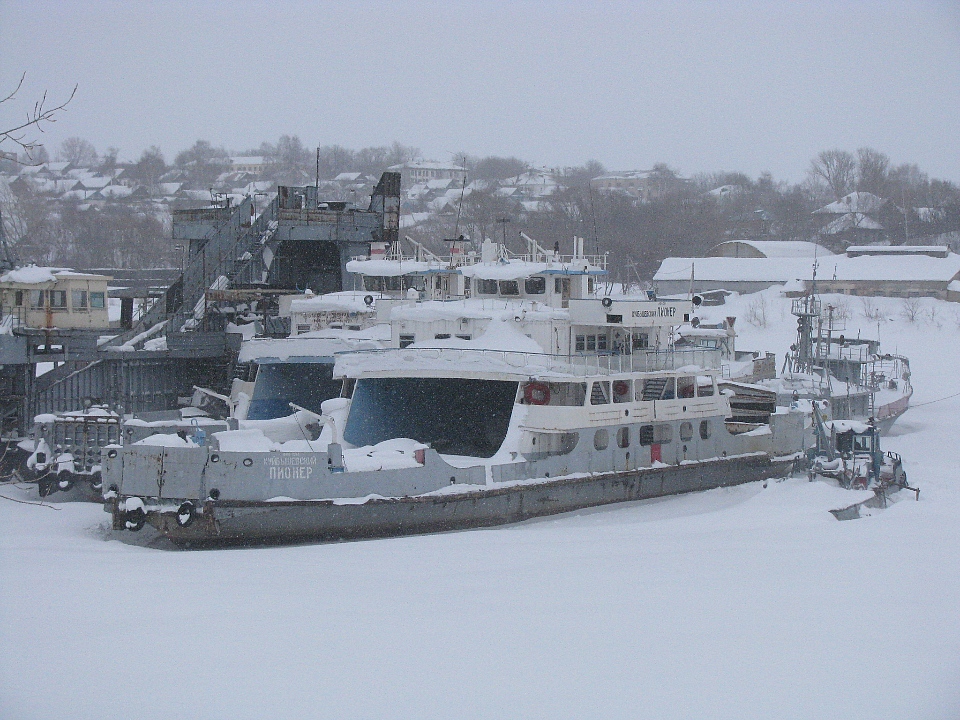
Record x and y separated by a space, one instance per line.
872 166
837 168
21 135
78 151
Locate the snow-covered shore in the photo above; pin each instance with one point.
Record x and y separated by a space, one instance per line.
747 602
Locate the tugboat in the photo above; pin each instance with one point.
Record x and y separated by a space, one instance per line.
528 396
850 377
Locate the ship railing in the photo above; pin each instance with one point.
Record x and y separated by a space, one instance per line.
474 258
806 305
534 363
855 353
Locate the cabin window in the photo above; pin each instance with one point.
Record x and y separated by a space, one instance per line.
406 340
591 343
303 328
590 286
704 386
465 337
487 287
279 384
36 298
535 285
18 298
456 416
641 341
442 336
662 434
686 431
509 287
97 300
601 438
79 299
600 393
601 343
557 285
623 437
686 387
670 389
567 394
704 429
581 343
645 436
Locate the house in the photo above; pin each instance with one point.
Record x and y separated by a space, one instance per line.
44 297
253 164
644 185
416 171
853 218
768 249
891 275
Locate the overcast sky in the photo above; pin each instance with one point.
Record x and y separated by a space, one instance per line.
701 86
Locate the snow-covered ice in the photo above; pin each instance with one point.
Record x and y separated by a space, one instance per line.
746 602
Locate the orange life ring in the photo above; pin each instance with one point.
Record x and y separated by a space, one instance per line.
536 393
621 387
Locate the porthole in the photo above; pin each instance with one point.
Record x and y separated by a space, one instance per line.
247 462
214 458
601 438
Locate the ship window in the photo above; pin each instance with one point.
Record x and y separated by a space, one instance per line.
590 286
601 438
686 387
97 300
600 393
36 298
641 341
669 390
279 384
601 342
704 386
535 285
442 336
406 340
79 299
58 298
487 287
705 429
456 416
686 431
509 287
581 346
621 391
591 343
18 297
303 328
465 337
645 436
623 437
662 434
557 285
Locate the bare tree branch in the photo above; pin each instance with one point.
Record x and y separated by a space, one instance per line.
35 120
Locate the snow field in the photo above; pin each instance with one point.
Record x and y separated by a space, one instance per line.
744 602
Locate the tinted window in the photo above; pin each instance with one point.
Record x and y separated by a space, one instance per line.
535 286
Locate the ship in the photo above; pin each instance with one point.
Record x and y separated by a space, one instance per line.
510 390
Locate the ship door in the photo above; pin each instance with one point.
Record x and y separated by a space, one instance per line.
655 454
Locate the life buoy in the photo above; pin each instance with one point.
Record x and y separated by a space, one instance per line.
536 393
621 387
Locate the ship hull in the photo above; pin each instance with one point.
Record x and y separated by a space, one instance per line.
238 522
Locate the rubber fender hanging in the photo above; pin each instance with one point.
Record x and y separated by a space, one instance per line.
606 302
65 483
135 519
96 481
536 393
186 514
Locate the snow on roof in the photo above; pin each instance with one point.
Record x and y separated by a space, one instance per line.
517 269
426 165
725 190
839 267
116 191
411 219
477 309
850 221
33 275
954 286
347 177
393 268
779 248
859 202
345 301
306 349
941 250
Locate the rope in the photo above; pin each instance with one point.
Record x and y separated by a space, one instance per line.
931 402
